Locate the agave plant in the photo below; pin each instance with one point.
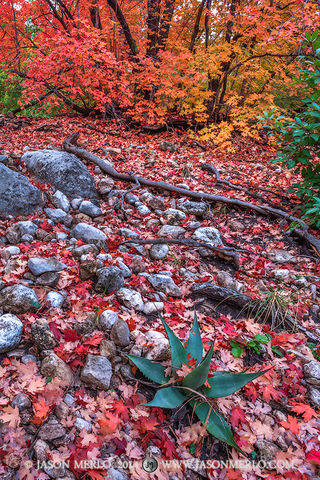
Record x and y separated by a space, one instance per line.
197 387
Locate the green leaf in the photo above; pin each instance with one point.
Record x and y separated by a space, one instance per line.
237 351
262 338
169 397
216 424
227 383
178 352
152 370
199 374
194 345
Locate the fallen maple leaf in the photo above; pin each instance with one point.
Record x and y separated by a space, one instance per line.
237 416
291 424
313 457
11 416
109 424
41 410
305 410
268 392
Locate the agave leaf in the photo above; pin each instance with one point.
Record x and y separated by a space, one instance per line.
216 424
227 383
194 345
199 374
178 352
152 370
169 397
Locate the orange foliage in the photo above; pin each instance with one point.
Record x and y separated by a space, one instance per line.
145 60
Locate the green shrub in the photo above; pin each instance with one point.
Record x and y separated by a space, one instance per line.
299 138
195 387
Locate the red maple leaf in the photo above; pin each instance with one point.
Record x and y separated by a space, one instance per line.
121 410
237 416
269 392
313 457
291 424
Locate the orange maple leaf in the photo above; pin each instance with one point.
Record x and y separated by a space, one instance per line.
109 424
41 410
291 424
305 410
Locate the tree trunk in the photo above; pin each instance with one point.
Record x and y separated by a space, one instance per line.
124 25
95 15
197 26
166 24
153 23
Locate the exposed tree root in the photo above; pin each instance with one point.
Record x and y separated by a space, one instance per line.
70 145
245 304
213 170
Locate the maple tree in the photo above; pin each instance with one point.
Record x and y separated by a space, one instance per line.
214 64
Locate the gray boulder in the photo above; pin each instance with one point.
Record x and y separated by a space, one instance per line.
56 299
17 195
97 371
56 214
207 234
89 234
194 208
165 284
18 299
62 170
109 279
159 251
130 298
53 366
10 332
90 209
60 200
42 335
174 216
107 319
171 231
120 334
40 265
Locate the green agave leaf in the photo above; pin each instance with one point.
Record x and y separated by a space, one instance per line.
216 424
194 345
178 352
199 374
152 370
227 383
169 397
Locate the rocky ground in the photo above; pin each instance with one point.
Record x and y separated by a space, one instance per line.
77 291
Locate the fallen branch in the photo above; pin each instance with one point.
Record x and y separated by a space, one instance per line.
213 170
70 145
223 252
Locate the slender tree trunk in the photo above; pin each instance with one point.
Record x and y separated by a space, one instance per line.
166 24
197 25
95 15
124 25
153 23
206 23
